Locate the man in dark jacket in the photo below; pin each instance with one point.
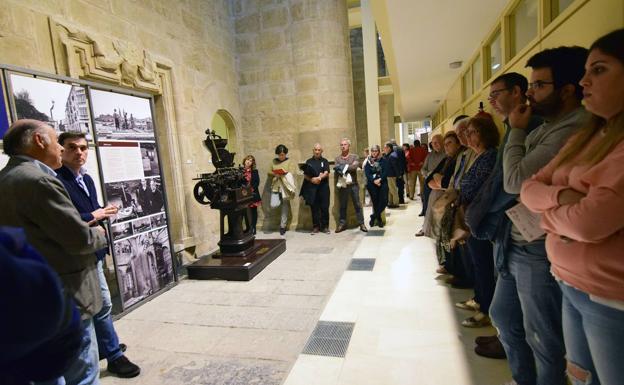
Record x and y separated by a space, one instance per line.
393 165
315 189
82 193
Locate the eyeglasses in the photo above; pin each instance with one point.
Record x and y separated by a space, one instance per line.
539 84
494 94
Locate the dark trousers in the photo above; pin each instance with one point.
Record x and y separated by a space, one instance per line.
379 199
459 264
401 187
254 218
353 190
425 199
483 266
320 208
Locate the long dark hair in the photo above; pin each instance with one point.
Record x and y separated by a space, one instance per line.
612 45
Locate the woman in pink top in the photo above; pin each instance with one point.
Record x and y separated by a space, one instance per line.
580 195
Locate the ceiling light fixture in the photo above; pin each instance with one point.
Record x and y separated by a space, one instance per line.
495 66
455 64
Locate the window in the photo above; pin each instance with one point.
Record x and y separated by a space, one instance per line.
524 25
476 73
558 6
467 84
496 54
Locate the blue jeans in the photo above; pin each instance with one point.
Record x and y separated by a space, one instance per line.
352 190
594 337
86 369
107 340
526 310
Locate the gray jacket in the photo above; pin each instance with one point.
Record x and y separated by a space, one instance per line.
39 203
526 154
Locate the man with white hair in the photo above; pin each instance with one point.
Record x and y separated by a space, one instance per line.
431 162
315 189
35 200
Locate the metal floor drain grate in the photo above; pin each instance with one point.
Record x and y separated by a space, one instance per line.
329 339
362 264
375 233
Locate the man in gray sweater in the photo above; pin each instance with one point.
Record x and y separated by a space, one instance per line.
526 307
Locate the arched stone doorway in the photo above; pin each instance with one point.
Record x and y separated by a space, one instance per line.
223 124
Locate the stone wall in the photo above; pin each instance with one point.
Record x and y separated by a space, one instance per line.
295 82
195 38
386 116
359 88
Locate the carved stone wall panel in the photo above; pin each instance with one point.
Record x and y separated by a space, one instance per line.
85 55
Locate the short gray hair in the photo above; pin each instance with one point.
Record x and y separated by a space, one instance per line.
19 137
346 140
462 123
375 147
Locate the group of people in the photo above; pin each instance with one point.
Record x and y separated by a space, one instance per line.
554 291
53 245
384 174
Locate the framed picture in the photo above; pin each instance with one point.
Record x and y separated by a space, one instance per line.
4 108
121 117
63 106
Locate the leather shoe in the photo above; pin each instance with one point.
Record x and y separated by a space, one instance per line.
315 230
485 340
123 368
371 223
282 230
478 320
492 350
363 228
419 234
341 228
326 230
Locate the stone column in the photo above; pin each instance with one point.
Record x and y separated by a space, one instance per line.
369 37
295 81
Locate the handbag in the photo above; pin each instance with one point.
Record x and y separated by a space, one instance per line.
275 199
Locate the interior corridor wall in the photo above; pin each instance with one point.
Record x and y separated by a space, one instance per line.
584 22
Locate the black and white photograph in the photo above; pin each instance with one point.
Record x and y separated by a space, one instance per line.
141 225
150 159
121 117
144 265
135 198
124 196
150 196
162 253
63 106
122 230
159 220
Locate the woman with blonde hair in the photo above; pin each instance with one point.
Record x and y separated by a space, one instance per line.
580 196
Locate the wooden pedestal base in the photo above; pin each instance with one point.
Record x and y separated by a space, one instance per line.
231 268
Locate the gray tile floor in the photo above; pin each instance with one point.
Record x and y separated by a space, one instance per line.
218 332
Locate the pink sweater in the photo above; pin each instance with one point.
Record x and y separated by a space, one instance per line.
591 259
